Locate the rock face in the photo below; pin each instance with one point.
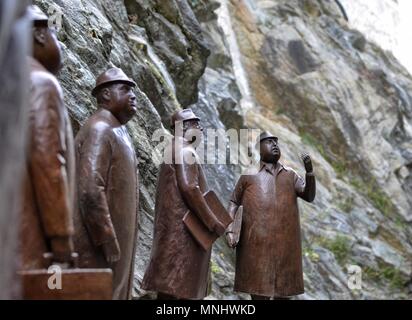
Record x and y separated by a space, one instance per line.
293 67
386 22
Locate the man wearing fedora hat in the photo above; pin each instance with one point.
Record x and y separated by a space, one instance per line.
269 255
46 217
107 177
179 267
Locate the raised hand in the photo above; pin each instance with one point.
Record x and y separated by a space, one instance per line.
307 161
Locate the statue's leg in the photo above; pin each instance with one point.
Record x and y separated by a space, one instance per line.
281 298
257 297
164 296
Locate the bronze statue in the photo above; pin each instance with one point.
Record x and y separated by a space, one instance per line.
15 39
107 179
179 266
48 188
269 255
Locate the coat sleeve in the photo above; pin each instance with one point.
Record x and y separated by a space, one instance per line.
235 201
187 175
94 159
47 160
305 189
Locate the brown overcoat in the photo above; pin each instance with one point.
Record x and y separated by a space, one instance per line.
107 179
48 178
269 255
178 265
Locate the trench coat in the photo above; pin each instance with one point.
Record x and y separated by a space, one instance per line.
269 254
48 178
178 265
107 179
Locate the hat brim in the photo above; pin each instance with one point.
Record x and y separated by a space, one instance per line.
37 16
40 23
194 118
103 84
183 120
258 141
269 137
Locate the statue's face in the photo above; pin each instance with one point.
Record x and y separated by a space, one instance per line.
193 130
192 124
55 55
46 49
122 101
269 150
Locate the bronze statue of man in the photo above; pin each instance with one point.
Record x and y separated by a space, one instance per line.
179 267
15 39
107 178
48 188
269 255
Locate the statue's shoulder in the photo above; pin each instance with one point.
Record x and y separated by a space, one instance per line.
97 126
289 171
181 147
43 79
100 125
251 171
94 133
184 153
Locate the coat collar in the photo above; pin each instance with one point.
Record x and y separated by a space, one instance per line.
108 116
273 170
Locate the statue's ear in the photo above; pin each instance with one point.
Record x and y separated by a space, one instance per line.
40 35
106 94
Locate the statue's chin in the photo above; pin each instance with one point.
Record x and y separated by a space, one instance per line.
271 158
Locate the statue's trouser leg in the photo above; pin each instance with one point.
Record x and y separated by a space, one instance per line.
257 297
281 298
164 296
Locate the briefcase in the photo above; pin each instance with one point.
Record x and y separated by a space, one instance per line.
198 230
75 284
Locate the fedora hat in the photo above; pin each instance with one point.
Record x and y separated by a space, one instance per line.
265 135
36 15
183 115
112 75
